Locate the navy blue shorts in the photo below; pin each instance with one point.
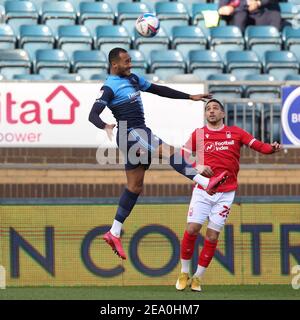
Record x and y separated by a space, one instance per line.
138 146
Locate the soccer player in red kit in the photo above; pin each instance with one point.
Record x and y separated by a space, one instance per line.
219 146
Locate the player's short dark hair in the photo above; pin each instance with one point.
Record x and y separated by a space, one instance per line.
217 101
114 54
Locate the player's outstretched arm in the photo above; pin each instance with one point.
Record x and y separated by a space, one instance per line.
167 92
265 148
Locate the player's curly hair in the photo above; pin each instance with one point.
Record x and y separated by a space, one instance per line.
217 101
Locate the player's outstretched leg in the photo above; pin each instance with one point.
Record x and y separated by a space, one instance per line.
135 178
215 181
115 244
181 166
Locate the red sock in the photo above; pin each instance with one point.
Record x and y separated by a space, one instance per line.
207 253
187 245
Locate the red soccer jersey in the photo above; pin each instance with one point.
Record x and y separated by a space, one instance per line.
220 149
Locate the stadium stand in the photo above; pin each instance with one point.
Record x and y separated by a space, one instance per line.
146 45
8 38
80 33
187 38
262 38
171 14
281 63
139 63
50 62
14 62
68 77
261 92
20 12
55 14
165 63
128 12
29 77
227 38
242 63
204 63
291 40
93 14
72 38
108 37
34 37
89 63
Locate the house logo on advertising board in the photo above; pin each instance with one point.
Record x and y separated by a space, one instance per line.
19 116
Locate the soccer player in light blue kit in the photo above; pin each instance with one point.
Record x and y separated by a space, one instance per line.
121 94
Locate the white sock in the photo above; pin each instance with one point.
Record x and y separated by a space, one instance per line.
116 228
185 265
200 271
203 181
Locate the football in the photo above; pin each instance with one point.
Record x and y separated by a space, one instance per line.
147 25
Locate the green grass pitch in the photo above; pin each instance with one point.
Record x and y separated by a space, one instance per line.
210 292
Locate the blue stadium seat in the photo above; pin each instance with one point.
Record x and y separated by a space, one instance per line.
7 37
281 63
71 38
109 37
224 90
114 3
67 77
87 63
186 38
14 62
151 4
151 77
262 38
101 77
76 4
263 88
183 78
165 63
242 63
198 8
223 39
204 63
291 40
34 37
139 64
292 77
222 77
58 13
128 12
20 12
50 62
146 45
171 14
2 14
29 77
94 14
288 12
206 30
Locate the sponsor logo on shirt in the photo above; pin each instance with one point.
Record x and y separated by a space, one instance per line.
133 95
218 145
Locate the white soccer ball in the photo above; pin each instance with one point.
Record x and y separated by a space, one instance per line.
147 25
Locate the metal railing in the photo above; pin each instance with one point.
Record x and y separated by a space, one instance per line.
259 112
